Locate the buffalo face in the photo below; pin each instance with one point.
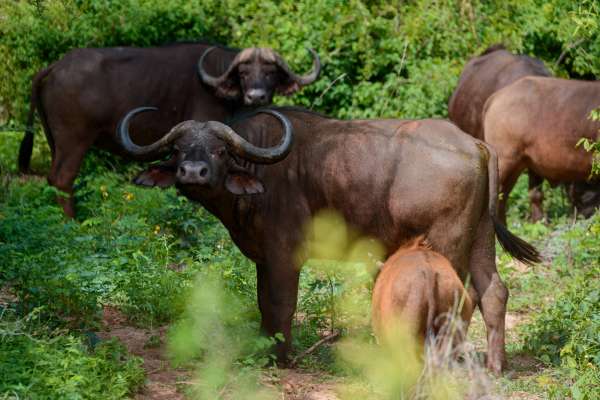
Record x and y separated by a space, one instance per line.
255 75
204 156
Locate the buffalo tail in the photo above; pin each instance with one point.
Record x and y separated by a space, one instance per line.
26 147
512 244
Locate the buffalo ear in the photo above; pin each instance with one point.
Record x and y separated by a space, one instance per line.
230 88
161 175
287 85
243 182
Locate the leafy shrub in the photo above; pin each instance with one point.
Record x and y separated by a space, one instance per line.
36 365
568 330
379 59
566 333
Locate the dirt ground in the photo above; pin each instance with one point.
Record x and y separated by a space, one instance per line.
162 380
149 344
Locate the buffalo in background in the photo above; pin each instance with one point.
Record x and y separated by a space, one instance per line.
483 75
536 123
390 179
80 97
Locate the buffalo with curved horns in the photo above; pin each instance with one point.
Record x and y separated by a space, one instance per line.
391 180
80 96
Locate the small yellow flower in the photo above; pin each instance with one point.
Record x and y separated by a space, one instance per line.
157 229
128 196
104 191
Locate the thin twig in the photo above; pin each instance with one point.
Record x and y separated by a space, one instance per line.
315 346
569 47
342 76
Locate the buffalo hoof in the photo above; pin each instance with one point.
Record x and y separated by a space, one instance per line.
495 366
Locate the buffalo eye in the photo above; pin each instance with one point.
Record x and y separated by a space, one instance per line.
220 152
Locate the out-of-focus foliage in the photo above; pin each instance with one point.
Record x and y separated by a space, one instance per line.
380 58
219 335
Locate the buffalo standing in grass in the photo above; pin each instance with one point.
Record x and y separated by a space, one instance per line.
536 123
80 97
390 179
494 69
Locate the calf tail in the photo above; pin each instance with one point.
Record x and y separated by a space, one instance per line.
432 289
26 147
512 244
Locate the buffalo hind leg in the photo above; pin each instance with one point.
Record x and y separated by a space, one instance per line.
491 293
64 170
510 170
536 196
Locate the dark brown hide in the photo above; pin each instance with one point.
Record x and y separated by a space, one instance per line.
80 97
390 179
494 69
535 123
482 76
417 289
585 197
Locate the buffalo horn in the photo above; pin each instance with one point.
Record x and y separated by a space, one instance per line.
247 150
305 79
154 149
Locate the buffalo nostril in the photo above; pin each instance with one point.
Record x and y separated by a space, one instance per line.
203 171
181 171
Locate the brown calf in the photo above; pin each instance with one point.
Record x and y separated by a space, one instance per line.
417 288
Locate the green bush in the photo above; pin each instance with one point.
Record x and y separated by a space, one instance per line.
379 59
568 330
36 365
566 333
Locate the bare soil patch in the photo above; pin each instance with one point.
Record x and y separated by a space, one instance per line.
149 344
300 385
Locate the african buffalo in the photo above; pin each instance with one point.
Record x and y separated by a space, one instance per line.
494 69
417 290
80 97
536 123
390 179
483 75
585 197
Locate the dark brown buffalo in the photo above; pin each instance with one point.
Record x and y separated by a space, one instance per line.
390 179
80 97
417 290
494 69
483 75
536 123
585 197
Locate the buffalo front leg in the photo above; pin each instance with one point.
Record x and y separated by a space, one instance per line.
277 296
491 293
64 170
536 196
262 292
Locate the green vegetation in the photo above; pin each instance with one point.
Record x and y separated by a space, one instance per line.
380 59
37 365
147 253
